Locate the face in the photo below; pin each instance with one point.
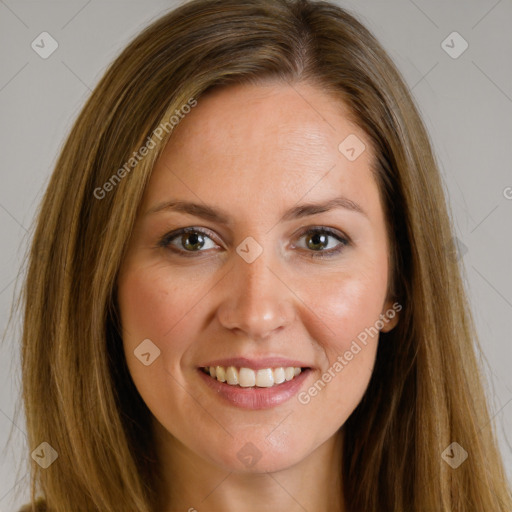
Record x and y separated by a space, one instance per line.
262 280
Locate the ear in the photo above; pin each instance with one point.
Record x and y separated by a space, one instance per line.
390 315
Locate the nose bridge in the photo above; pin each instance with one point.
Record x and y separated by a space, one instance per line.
255 301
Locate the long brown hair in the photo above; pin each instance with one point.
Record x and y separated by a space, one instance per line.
426 390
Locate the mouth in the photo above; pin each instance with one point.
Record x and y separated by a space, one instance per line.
253 389
243 377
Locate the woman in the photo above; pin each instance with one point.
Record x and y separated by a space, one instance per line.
241 290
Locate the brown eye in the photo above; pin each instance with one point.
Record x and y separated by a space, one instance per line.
187 240
321 242
192 241
317 241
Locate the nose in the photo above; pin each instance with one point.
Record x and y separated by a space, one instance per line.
256 300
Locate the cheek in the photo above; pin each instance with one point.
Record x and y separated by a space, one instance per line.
164 309
344 311
345 303
154 306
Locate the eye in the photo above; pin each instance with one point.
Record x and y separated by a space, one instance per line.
317 240
189 240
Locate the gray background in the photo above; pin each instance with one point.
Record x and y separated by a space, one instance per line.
466 103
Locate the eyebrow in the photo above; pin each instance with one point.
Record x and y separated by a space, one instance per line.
222 217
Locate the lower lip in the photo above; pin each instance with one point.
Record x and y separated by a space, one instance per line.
256 398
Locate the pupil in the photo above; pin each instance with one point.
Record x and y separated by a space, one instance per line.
194 239
318 238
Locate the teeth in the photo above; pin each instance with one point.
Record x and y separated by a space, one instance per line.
265 378
289 373
221 373
279 375
248 378
232 375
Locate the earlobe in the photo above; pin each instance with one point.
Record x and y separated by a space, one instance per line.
390 316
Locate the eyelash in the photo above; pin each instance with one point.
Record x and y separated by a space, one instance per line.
166 240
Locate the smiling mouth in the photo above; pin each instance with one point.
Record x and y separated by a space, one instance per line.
249 378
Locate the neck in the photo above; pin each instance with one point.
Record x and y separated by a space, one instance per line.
191 482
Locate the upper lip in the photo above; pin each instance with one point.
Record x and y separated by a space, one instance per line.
257 364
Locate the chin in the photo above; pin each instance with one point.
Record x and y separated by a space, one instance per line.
260 453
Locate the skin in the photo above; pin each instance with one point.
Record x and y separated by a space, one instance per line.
255 152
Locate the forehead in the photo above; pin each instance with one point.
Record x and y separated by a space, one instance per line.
255 140
244 120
